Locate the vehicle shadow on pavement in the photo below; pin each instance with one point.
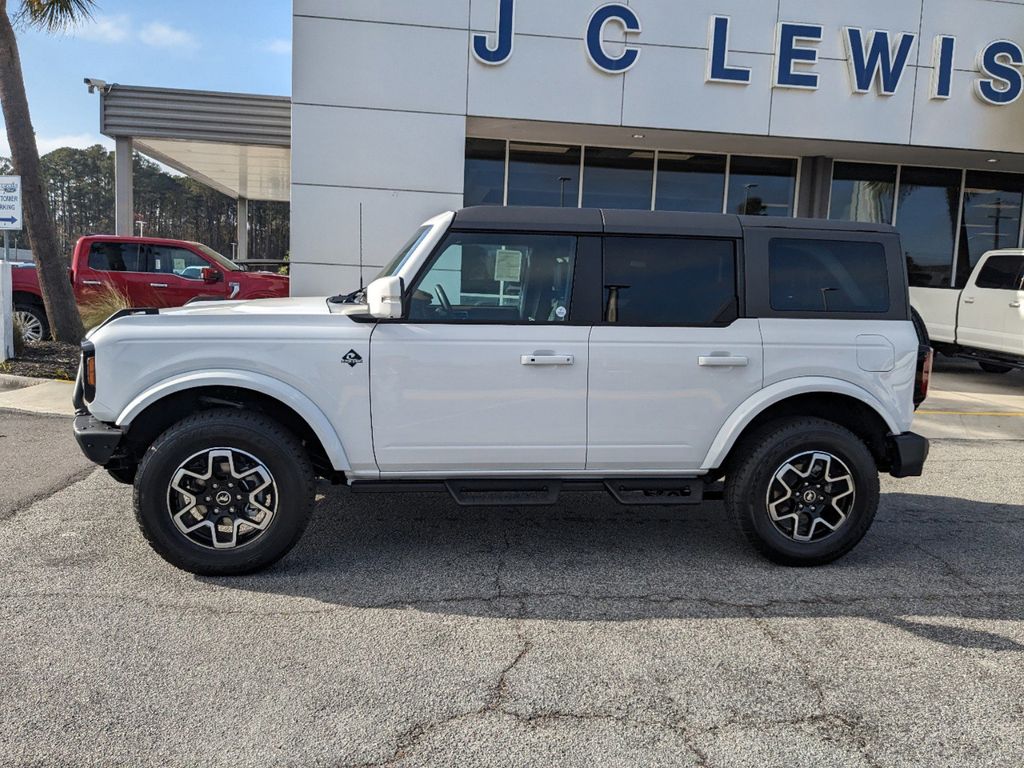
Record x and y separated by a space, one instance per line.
928 566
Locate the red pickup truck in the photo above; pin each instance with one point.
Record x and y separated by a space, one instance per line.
149 272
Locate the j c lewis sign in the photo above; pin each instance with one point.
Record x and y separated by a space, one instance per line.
877 59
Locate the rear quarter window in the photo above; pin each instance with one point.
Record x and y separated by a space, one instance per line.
827 276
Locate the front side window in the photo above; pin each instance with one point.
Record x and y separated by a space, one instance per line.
827 276
1002 273
115 257
669 281
497 278
167 260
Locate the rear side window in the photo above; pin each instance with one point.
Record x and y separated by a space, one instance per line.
115 257
827 276
1001 273
669 281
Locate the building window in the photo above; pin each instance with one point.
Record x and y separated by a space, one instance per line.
761 186
991 218
691 182
669 281
618 178
862 192
485 172
827 276
926 218
543 174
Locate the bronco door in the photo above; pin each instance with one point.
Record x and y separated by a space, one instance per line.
487 372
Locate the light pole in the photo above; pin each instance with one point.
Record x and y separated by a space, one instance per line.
746 200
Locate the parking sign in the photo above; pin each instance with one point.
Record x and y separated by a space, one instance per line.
10 202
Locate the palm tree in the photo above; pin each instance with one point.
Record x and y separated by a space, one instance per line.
53 16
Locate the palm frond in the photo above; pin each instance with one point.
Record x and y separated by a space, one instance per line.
55 15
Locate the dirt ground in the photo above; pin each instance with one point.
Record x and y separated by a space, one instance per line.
44 360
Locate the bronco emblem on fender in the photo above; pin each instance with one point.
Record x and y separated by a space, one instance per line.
352 358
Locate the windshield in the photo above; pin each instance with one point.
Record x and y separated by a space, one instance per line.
396 264
221 261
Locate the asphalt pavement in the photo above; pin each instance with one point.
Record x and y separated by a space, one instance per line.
407 631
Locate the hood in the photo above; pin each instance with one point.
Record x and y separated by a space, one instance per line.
291 306
267 278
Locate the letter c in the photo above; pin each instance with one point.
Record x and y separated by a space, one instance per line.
595 31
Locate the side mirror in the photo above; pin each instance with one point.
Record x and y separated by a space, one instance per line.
211 275
384 298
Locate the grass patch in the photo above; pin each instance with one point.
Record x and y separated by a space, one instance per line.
101 305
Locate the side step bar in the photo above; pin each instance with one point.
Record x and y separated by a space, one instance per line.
654 491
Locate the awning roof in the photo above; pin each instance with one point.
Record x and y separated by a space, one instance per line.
238 144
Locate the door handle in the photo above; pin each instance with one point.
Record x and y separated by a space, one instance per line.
158 285
969 300
547 359
722 361
1014 305
92 282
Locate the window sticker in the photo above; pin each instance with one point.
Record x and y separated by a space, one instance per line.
508 266
561 312
179 265
156 264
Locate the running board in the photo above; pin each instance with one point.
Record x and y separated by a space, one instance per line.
652 491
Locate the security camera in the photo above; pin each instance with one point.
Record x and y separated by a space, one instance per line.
99 85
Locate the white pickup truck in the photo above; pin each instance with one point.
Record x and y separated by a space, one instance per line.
984 321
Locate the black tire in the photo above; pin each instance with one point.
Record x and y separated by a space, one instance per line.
920 327
995 368
758 458
260 437
37 312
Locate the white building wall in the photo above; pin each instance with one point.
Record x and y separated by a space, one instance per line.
382 91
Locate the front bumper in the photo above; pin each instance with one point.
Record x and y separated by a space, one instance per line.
97 440
907 454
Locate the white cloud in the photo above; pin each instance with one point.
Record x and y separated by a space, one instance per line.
160 35
104 29
281 45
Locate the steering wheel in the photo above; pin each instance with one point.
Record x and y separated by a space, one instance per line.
443 298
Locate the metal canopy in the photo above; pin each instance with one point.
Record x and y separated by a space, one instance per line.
238 144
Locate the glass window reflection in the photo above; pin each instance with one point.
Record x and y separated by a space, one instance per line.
863 192
544 174
991 220
618 178
691 182
926 218
761 186
485 172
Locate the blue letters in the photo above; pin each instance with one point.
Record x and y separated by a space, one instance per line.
719 70
878 62
788 53
1000 61
595 46
942 76
502 50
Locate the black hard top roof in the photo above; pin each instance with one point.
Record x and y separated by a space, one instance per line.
608 221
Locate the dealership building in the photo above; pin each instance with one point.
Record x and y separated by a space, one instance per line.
904 112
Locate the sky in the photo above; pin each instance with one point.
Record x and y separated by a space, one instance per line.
218 45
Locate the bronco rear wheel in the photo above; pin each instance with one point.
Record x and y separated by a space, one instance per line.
804 491
224 492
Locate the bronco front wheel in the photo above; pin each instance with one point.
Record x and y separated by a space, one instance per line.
224 492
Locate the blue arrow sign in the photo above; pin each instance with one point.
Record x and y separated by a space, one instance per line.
9 220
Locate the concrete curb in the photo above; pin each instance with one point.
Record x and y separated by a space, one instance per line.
9 381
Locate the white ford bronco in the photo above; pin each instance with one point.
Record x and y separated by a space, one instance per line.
509 355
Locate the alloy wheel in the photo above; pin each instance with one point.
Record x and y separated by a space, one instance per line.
31 325
811 496
222 498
